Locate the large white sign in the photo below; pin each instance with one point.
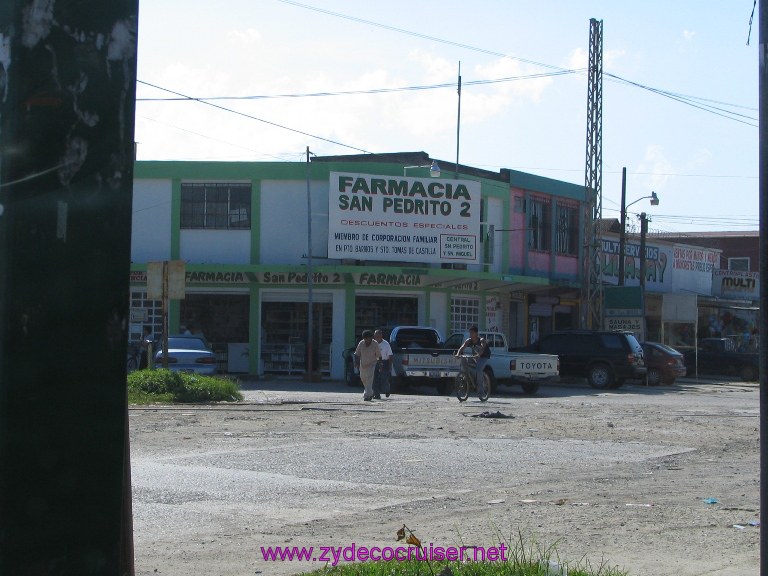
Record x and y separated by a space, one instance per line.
736 284
669 268
430 220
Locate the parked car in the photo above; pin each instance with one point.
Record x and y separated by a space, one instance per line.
605 358
664 363
722 356
187 353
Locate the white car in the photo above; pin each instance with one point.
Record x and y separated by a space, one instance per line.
188 353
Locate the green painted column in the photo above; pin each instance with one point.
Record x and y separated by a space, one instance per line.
254 330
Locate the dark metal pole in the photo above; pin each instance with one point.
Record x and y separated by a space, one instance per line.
623 231
643 233
68 74
310 318
763 136
458 127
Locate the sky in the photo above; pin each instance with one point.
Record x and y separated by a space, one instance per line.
680 91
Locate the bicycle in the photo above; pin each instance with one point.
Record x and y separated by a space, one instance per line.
465 380
133 357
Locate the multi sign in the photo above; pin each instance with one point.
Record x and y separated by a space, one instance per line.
404 219
736 284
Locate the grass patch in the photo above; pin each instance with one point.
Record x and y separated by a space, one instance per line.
520 558
165 386
419 568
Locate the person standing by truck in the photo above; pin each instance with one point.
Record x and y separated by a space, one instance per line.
367 354
383 367
480 352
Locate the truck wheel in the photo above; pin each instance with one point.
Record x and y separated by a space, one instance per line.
399 384
748 373
445 387
530 388
599 376
352 378
654 376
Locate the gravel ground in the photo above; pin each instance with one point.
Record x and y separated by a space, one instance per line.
658 481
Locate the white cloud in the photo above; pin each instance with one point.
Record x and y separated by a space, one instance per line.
612 57
245 37
688 35
656 163
578 58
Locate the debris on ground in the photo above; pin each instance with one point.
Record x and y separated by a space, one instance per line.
487 414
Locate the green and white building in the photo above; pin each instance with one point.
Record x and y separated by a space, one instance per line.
389 244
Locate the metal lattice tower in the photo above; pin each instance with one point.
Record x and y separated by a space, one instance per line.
592 287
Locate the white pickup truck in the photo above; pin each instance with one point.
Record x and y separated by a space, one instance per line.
420 356
509 368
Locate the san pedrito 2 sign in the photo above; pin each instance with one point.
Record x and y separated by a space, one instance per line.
432 220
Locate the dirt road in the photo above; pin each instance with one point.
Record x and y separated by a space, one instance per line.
659 481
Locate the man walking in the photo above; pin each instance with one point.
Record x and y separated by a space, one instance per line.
383 367
367 354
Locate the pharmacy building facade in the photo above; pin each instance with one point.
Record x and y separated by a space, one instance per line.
370 240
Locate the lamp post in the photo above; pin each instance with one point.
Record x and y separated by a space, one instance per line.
623 232
643 233
434 169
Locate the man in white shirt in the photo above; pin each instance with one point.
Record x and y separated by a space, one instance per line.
366 356
384 366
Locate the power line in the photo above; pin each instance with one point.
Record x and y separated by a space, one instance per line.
674 96
419 35
688 101
255 118
369 91
207 137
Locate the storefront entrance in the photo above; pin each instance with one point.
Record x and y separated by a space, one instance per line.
372 312
221 318
284 336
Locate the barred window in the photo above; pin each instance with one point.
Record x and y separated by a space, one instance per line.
567 230
465 312
538 225
216 205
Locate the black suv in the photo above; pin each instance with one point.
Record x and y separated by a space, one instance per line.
605 358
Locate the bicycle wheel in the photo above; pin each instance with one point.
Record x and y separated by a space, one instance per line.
462 386
486 389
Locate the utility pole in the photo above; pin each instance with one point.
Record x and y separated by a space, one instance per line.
643 234
763 154
458 126
66 184
310 282
592 279
623 231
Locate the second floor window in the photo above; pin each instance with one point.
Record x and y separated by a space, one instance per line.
567 230
740 264
538 225
216 206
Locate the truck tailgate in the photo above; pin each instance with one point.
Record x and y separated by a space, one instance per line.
425 364
534 366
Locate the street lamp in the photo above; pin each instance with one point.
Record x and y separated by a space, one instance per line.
434 169
623 232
